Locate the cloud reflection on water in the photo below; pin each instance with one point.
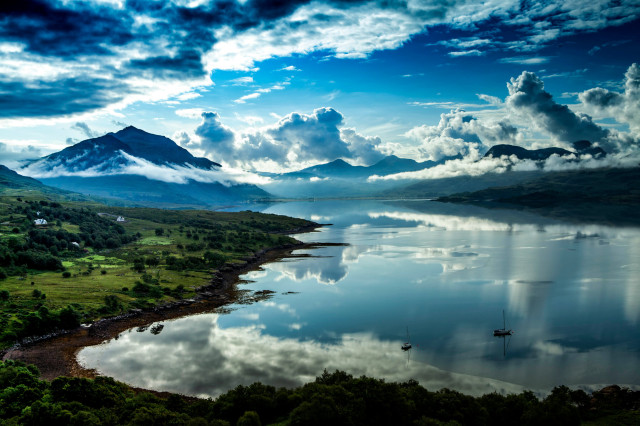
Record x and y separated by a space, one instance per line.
570 292
174 360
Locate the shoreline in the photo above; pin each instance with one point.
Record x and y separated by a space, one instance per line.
56 355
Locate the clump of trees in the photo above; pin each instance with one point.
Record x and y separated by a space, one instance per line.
42 249
333 398
38 322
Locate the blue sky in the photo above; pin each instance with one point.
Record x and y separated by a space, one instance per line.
362 79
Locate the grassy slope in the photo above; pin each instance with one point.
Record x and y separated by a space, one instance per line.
239 234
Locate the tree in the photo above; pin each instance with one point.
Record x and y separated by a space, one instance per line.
249 418
69 318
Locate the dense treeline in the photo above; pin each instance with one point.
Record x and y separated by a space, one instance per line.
34 247
38 322
334 399
212 220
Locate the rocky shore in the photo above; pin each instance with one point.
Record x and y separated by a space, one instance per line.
55 354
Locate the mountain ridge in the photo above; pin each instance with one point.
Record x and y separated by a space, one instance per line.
138 166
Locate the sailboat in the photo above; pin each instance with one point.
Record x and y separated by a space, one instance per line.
502 331
407 345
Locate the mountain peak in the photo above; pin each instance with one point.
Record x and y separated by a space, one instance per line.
104 153
340 163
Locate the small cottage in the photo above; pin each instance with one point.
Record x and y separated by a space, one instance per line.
120 219
40 222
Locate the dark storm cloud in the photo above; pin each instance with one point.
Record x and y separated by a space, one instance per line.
61 97
185 63
50 29
111 48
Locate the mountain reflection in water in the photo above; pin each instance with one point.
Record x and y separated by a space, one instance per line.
570 291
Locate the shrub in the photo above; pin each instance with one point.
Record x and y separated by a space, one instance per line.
66 274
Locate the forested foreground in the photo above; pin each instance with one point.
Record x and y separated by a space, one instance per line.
332 399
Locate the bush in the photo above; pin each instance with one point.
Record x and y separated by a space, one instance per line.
69 318
66 274
4 295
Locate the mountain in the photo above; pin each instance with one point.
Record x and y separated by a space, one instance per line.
498 151
10 179
141 167
392 164
387 166
610 194
14 183
431 188
105 153
581 147
341 179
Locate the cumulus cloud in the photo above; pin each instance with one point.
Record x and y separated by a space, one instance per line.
623 107
528 105
182 138
460 133
293 142
215 136
528 98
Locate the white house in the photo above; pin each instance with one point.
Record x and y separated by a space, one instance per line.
120 219
40 222
75 244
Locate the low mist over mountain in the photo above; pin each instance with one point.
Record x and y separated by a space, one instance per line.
135 165
338 178
341 169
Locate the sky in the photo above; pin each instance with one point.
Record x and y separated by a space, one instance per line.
280 85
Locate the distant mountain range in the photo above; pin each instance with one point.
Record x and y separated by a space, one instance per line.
581 147
343 170
142 167
606 194
341 179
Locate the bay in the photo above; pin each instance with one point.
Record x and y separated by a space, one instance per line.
445 273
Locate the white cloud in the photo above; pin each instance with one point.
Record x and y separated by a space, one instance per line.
461 133
13 153
525 60
189 112
473 52
126 164
295 141
623 107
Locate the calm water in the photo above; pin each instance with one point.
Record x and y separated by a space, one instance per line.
570 292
